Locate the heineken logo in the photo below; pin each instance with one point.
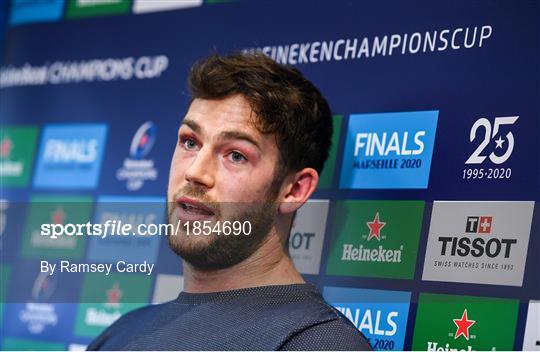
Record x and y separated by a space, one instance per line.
379 254
113 295
57 211
463 324
104 300
17 148
375 227
376 238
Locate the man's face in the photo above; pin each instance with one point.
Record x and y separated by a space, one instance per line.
222 169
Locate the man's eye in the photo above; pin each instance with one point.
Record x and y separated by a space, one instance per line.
189 143
237 157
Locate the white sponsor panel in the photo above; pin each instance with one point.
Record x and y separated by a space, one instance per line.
478 242
307 236
142 6
167 288
531 342
76 347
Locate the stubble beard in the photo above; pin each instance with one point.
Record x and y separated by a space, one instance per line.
219 251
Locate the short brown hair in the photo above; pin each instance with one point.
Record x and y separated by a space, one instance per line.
286 103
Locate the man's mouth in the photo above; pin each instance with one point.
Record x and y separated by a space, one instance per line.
191 210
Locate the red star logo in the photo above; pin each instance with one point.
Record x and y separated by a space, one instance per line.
58 216
375 227
113 295
463 326
5 147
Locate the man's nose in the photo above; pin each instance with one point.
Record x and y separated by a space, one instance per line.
201 169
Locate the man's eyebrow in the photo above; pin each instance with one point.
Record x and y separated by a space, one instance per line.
192 124
225 135
238 135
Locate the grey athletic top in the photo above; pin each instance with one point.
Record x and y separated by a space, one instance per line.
281 317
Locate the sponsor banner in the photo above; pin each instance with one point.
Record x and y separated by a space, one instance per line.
478 242
17 148
89 8
375 238
135 211
142 6
13 344
137 168
167 288
491 145
12 214
70 156
326 180
76 347
389 150
5 275
40 305
464 323
105 69
436 41
531 341
380 315
55 210
104 299
41 320
307 236
27 11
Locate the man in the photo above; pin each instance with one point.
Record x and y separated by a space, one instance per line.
250 150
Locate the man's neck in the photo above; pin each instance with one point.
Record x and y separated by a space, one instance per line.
269 265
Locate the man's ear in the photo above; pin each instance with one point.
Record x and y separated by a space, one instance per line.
298 189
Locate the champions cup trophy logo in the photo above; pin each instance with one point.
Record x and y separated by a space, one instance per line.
38 315
44 286
136 169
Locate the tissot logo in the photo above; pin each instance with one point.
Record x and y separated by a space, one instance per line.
480 224
389 150
478 242
531 341
307 236
479 246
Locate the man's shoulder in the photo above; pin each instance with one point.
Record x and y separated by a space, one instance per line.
337 334
128 323
323 327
